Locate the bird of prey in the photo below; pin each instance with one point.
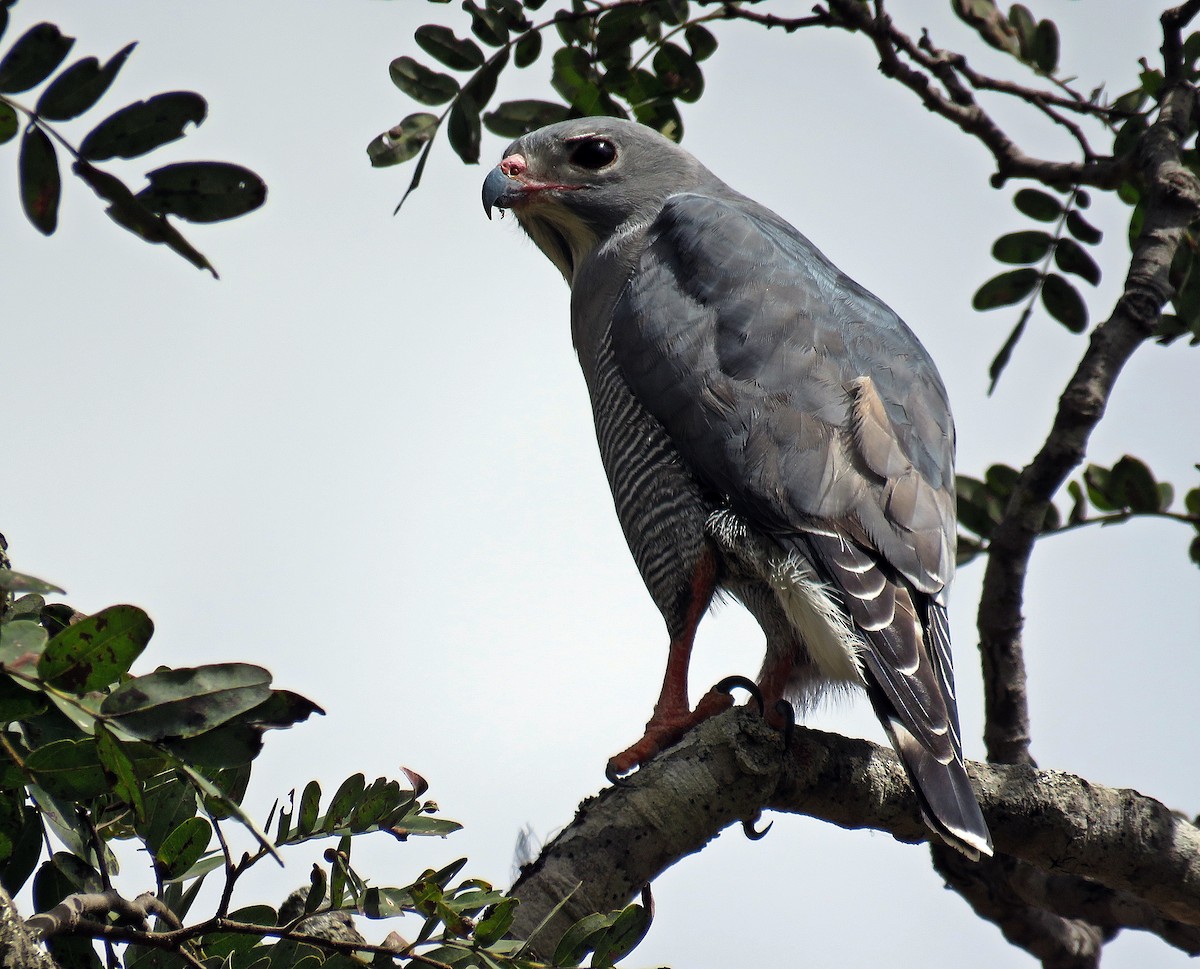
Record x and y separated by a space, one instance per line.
769 429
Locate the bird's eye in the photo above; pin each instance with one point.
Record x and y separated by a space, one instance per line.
594 153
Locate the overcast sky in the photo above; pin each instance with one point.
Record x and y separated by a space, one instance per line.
364 457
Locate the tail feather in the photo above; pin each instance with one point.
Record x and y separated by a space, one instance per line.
944 792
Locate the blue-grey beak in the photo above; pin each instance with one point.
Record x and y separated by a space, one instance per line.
500 191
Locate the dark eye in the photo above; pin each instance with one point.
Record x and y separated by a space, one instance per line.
594 153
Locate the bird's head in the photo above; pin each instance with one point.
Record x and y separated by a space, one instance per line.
573 184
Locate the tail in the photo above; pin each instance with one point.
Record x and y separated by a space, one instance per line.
943 790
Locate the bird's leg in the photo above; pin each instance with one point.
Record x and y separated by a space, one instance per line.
673 716
772 683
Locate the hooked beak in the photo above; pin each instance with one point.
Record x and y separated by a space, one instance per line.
500 191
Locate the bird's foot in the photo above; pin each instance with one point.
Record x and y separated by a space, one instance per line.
667 728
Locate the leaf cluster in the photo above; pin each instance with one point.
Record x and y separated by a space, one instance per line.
627 60
193 191
1063 246
1100 496
91 754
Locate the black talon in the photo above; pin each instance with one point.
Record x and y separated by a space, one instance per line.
731 683
749 830
615 779
788 712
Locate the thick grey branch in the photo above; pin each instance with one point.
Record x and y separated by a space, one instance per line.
733 765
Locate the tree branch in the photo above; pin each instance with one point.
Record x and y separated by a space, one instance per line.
732 766
960 107
1171 201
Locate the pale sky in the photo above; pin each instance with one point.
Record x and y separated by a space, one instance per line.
364 457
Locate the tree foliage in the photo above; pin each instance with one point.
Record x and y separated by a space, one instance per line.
192 191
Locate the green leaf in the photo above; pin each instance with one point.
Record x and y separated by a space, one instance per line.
1071 257
575 943
310 803
459 54
21 638
486 24
129 213
701 41
385 903
482 86
203 191
626 932
673 12
402 142
616 32
528 48
415 181
41 183
231 808
1006 289
1025 26
1191 501
1083 230
424 826
1045 46
978 510
679 73
463 129
119 770
1194 550
69 769
1098 481
26 850
144 125
1022 248
8 123
17 582
186 702
511 11
573 78
230 745
183 847
987 20
1038 205
1063 302
420 82
62 875
1134 486
33 58
26 607
343 801
575 31
80 86
511 119
95 651
18 702
491 928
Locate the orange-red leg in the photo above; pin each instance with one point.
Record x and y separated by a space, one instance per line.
771 684
673 716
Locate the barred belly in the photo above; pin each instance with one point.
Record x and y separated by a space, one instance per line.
661 507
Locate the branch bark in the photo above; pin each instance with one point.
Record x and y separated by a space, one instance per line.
733 766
